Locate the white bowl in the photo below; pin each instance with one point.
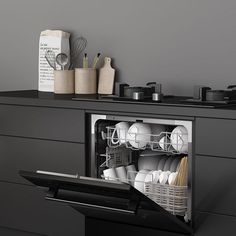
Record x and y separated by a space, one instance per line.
139 180
139 135
179 139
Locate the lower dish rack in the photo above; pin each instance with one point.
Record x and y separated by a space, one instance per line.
172 198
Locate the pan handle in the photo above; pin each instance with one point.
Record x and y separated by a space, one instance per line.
231 87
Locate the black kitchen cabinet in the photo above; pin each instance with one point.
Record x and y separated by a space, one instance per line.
24 208
34 154
215 181
216 137
42 122
100 227
13 232
49 133
214 225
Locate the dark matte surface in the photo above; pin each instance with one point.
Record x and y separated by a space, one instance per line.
35 98
24 208
104 228
215 225
216 137
33 154
215 181
45 123
13 232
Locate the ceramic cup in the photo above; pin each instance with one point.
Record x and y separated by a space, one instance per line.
120 132
110 174
139 180
131 173
139 135
121 174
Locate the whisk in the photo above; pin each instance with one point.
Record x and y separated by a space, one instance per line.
77 47
51 58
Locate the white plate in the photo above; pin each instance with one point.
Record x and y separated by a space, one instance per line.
148 162
167 164
164 177
179 139
174 164
139 135
161 164
172 177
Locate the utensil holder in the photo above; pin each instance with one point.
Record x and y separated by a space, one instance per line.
64 81
85 81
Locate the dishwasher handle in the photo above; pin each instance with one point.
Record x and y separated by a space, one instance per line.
91 205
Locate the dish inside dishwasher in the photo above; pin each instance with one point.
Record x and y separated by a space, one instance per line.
152 155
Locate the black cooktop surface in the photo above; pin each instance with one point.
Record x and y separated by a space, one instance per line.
168 100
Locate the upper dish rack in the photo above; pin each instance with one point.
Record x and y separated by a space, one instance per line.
168 142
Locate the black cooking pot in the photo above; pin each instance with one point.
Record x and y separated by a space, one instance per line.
148 91
215 95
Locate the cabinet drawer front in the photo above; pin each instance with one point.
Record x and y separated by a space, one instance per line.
106 228
40 122
214 225
215 181
216 137
33 154
14 232
24 208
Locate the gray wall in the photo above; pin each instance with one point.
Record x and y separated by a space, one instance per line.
176 42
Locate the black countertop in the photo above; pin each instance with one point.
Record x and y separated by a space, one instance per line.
171 105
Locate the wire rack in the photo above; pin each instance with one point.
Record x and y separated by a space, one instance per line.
119 156
168 142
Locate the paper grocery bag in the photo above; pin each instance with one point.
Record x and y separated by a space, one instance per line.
57 41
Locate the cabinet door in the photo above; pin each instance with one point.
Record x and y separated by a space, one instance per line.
42 122
25 208
106 228
216 137
13 232
215 181
215 225
34 154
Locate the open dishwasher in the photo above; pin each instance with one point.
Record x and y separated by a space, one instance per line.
139 173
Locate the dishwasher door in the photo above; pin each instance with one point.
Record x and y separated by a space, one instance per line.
107 200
